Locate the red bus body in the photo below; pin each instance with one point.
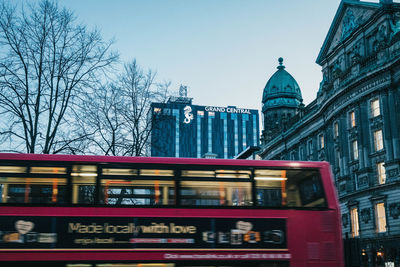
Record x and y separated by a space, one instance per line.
313 236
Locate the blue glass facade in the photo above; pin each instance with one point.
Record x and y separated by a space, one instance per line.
186 130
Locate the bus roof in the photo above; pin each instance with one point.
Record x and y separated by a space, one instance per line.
163 160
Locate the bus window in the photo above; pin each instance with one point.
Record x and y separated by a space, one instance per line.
311 192
49 170
215 193
13 169
33 190
137 192
220 173
271 187
289 188
83 184
156 172
119 171
83 190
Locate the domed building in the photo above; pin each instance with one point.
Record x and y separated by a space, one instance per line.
281 101
354 123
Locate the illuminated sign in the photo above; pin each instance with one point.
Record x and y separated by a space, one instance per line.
188 114
228 110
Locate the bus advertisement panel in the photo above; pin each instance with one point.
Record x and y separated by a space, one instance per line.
142 232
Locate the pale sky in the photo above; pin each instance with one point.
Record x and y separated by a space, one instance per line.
223 50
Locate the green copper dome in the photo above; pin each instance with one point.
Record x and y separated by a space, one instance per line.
281 90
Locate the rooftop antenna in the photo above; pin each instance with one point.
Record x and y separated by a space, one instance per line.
183 91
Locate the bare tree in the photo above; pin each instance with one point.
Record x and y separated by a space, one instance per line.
118 113
101 117
139 91
46 60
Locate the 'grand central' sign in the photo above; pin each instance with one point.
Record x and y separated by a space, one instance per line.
228 110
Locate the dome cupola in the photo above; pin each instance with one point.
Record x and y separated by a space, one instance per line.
281 90
281 102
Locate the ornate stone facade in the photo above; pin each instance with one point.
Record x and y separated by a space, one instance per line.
354 123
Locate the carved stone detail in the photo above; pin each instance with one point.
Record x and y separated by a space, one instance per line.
394 210
365 215
349 24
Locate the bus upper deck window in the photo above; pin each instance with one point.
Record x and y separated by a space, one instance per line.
271 187
156 172
137 192
215 193
48 170
120 171
83 189
27 190
84 170
13 169
289 188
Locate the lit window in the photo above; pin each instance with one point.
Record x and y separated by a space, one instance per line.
378 140
375 109
157 110
38 189
355 228
381 173
12 169
200 113
352 119
49 170
321 141
380 217
355 149
336 129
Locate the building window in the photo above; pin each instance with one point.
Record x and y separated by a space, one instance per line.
380 217
375 108
355 227
321 141
378 140
352 117
355 149
381 172
336 129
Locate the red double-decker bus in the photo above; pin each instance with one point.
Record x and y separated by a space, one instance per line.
59 210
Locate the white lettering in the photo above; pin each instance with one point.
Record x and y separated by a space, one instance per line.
228 110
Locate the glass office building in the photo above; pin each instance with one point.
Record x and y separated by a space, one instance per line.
181 129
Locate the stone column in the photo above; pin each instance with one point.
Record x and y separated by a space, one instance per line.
363 130
394 121
387 126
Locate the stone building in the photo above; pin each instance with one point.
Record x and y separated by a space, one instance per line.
354 123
